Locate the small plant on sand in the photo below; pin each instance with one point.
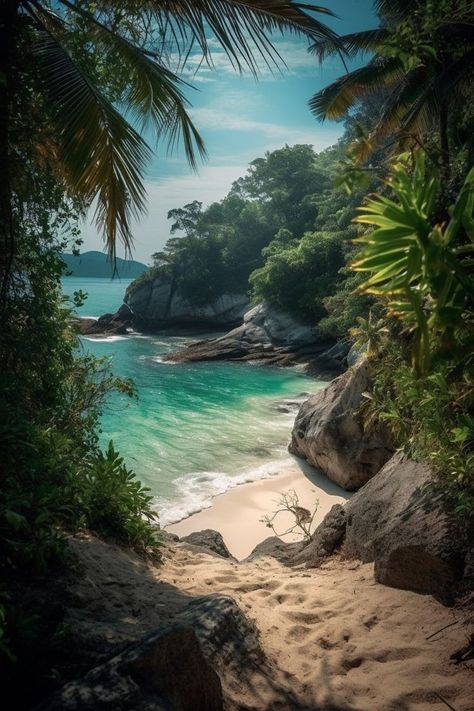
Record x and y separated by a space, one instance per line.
289 503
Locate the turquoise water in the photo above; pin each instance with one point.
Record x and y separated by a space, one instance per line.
196 429
104 295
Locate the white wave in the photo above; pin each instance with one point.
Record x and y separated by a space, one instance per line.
103 339
198 489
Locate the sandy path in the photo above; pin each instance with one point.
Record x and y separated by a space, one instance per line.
340 640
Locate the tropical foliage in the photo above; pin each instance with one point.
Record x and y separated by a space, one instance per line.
91 55
422 269
282 234
422 59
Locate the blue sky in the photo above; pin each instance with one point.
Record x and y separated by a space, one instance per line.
241 118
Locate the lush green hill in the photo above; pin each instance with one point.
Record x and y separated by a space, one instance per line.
96 264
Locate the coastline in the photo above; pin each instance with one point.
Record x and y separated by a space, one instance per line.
237 513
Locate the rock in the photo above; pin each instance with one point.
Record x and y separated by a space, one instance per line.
104 326
269 334
398 521
329 435
156 304
355 355
227 637
275 548
124 314
288 406
209 539
339 352
326 539
107 324
166 670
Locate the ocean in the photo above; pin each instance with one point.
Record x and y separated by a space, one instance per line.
196 429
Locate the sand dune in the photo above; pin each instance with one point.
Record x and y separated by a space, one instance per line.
334 637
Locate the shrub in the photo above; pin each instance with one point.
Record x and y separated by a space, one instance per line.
115 503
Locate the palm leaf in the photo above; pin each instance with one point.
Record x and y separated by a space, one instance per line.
154 93
242 27
334 100
103 157
352 44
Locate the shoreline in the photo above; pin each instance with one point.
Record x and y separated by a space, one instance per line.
249 502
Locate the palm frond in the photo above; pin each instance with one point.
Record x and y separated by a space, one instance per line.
155 94
241 27
352 44
395 10
103 157
333 101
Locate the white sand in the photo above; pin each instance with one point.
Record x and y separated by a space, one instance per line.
335 639
237 514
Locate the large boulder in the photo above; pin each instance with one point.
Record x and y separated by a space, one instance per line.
156 304
328 433
399 521
166 670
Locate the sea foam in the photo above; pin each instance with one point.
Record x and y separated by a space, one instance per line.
197 490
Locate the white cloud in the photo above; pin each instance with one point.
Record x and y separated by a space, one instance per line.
276 135
294 58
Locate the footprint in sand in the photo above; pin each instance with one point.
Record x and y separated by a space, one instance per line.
308 618
298 633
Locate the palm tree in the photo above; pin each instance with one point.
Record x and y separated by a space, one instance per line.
99 152
422 62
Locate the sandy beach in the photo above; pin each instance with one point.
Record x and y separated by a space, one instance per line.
237 513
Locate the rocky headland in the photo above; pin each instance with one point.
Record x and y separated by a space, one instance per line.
264 332
156 304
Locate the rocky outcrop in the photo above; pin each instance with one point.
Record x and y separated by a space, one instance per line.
117 324
156 304
399 521
166 670
267 334
210 540
332 438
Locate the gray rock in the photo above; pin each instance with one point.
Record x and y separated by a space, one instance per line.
326 539
339 352
226 635
166 670
355 355
275 548
209 539
399 521
329 435
268 334
156 304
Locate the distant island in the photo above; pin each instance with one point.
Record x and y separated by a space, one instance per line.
96 264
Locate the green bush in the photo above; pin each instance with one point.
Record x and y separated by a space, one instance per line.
115 503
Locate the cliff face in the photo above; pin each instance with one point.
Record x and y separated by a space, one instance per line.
155 304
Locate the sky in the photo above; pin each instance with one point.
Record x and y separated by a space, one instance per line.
240 118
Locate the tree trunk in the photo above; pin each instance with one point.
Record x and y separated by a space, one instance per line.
8 19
